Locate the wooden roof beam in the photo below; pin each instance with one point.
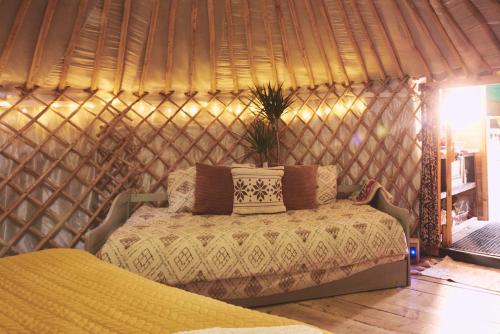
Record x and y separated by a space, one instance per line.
14 31
170 44
212 50
437 22
442 11
319 41
40 42
483 23
249 38
122 46
269 41
300 41
333 41
387 37
284 43
354 43
428 35
101 40
192 53
153 24
77 27
230 40
409 37
359 17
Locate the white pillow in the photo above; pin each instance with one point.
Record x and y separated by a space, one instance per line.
327 184
258 190
181 185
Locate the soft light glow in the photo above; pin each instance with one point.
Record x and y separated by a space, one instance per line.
216 109
143 108
192 111
5 104
462 106
360 106
381 131
72 106
68 105
238 110
90 105
306 114
340 109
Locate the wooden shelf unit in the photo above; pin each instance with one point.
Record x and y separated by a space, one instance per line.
460 189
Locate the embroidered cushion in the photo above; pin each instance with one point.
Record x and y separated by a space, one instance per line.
257 190
180 190
299 187
326 192
214 190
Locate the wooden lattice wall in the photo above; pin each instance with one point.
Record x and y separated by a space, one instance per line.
65 155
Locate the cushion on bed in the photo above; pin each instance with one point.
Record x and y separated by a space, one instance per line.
299 187
327 184
180 190
257 190
214 190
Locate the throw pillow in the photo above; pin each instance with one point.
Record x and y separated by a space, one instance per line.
180 190
326 192
299 187
257 190
214 190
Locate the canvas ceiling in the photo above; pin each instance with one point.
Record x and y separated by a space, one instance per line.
227 45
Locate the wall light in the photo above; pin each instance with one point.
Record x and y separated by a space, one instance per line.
306 114
90 105
192 111
340 109
238 110
216 109
5 104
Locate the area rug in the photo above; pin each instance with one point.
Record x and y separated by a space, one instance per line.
485 240
465 273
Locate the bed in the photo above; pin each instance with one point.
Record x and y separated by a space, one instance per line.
260 259
71 291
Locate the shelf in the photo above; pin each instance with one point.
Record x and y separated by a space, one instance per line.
460 189
464 154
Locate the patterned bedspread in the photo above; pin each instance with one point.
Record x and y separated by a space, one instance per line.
230 257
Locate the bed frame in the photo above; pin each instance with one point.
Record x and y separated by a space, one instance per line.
391 275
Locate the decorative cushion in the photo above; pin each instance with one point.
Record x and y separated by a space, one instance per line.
180 190
214 190
368 192
326 192
299 187
257 190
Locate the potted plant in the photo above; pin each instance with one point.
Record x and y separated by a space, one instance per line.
271 102
260 139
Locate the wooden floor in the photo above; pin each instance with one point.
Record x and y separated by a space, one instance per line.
428 306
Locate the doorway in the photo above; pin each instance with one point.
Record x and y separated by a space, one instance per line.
470 173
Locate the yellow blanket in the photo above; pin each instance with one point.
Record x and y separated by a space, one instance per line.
71 291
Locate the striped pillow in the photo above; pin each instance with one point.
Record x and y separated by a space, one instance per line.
257 190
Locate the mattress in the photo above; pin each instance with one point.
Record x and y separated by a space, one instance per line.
71 291
234 257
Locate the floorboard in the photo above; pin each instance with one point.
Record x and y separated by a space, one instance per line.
427 306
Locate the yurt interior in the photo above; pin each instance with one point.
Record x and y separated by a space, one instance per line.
249 166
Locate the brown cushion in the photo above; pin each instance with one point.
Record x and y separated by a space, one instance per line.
213 193
299 187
